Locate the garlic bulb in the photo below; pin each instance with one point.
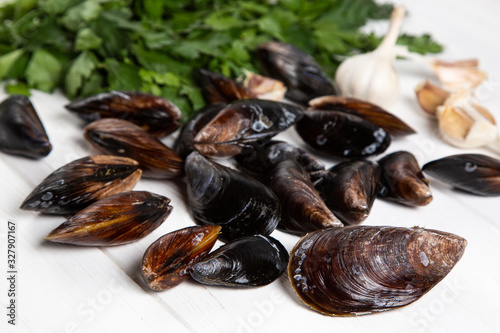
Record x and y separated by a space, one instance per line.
371 76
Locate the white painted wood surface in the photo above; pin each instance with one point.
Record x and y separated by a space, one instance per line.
70 289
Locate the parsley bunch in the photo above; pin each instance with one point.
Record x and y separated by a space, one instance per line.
90 46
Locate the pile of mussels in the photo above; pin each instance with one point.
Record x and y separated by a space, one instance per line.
337 268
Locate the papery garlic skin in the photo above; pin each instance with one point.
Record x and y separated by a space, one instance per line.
371 76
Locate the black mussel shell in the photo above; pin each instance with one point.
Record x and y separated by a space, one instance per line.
222 196
247 262
259 160
363 109
341 134
218 88
474 173
402 180
80 183
156 115
363 269
302 209
122 138
184 144
21 131
349 190
304 78
243 122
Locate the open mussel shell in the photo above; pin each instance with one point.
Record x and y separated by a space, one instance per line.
474 173
363 269
156 115
302 209
184 144
167 261
402 180
247 262
341 134
218 88
349 190
21 131
363 109
122 138
243 122
302 75
80 183
115 220
259 160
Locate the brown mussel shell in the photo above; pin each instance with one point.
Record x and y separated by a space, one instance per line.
218 195
363 109
184 144
263 156
363 269
247 262
302 209
474 173
167 261
218 88
341 134
349 190
156 115
243 122
115 220
122 138
302 75
21 131
82 182
402 180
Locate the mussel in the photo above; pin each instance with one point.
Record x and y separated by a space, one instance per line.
243 122
474 173
156 115
363 269
218 88
21 131
341 134
82 182
302 75
222 196
184 144
263 156
363 109
402 180
121 137
247 262
349 189
167 261
302 209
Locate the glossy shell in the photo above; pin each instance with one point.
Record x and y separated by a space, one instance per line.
243 122
349 190
218 88
302 209
82 182
340 134
364 269
363 109
167 261
402 180
302 75
154 114
474 173
222 196
122 138
247 262
21 131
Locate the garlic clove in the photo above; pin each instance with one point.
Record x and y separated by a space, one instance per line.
430 97
263 87
458 75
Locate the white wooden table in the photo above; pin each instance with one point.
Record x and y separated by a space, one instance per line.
71 289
